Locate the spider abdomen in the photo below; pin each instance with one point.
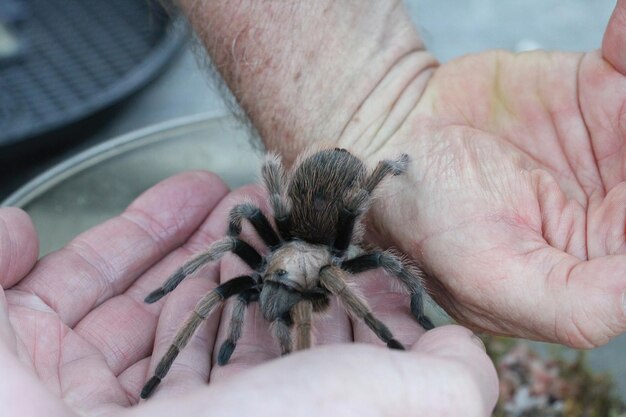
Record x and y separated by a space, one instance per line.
318 191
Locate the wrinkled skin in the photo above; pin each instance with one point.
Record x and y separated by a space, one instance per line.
518 192
515 201
76 335
515 197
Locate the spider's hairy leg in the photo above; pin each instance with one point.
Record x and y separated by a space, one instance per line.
302 314
384 168
354 207
282 331
201 311
236 323
333 279
357 203
258 220
273 175
215 252
394 266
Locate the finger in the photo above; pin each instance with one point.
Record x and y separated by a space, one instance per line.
19 246
191 367
460 344
74 370
7 335
354 380
123 328
614 38
257 344
546 294
591 305
105 260
606 224
578 303
389 305
133 379
19 249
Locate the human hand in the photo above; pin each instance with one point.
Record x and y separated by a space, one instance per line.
76 337
515 197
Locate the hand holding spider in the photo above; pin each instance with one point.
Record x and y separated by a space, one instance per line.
312 253
79 337
516 196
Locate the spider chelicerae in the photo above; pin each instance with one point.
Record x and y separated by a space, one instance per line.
317 208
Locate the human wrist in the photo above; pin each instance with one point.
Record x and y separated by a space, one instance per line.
316 71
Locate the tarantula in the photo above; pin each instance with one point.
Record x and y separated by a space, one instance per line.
317 210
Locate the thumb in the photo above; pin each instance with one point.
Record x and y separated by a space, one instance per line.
460 345
19 246
18 253
614 42
445 374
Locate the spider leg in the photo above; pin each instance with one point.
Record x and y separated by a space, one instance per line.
202 310
302 313
282 332
236 323
215 252
333 279
394 266
273 175
354 207
258 220
356 204
384 168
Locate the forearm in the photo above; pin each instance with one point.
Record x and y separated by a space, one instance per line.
343 72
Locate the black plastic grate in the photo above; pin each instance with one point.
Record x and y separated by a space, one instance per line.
77 57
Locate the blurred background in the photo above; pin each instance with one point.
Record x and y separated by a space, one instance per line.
76 73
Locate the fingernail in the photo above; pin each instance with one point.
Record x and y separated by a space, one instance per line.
478 341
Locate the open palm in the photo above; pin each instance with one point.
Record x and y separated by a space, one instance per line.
518 191
76 337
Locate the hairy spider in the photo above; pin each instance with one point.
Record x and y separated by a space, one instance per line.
317 210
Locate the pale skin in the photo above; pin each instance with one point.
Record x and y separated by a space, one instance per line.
514 200
77 339
515 197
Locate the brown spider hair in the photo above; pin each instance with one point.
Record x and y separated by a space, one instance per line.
313 250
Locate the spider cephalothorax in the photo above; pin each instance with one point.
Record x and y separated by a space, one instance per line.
317 209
